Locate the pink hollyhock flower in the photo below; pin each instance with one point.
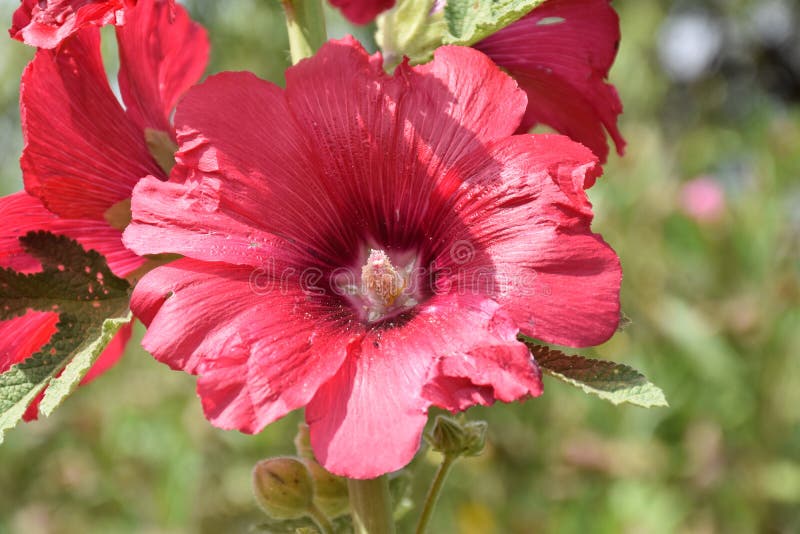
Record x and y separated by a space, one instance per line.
560 54
367 246
362 11
703 199
22 336
46 23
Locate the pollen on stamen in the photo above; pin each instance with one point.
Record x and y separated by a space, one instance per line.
383 287
380 279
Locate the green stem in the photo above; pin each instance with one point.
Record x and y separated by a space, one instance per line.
321 520
305 21
434 491
371 505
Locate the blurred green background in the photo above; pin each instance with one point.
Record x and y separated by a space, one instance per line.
711 92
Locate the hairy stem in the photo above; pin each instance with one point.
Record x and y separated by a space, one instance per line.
371 505
433 492
321 520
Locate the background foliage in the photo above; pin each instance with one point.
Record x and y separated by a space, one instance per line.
715 307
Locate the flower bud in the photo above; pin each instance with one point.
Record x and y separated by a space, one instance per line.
302 442
282 487
454 438
330 491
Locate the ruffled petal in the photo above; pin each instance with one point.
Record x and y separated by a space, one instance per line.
529 240
193 219
21 213
82 154
368 419
561 53
162 54
362 11
45 24
259 352
272 180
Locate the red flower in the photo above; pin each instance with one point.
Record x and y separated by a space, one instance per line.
367 246
560 54
83 153
22 336
45 24
362 11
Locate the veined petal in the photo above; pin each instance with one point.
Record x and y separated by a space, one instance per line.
228 130
45 24
561 53
162 53
384 140
21 213
258 352
531 242
82 154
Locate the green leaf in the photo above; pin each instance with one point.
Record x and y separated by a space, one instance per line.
410 29
614 382
469 21
71 281
92 304
80 361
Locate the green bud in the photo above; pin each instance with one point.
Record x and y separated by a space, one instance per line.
330 491
302 442
456 438
283 487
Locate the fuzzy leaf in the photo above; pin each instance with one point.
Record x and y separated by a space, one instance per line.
92 305
95 341
71 281
614 382
469 21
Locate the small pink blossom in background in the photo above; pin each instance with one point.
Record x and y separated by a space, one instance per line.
703 199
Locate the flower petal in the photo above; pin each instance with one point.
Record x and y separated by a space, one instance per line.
21 213
162 54
82 154
272 181
258 352
362 11
530 242
192 219
368 419
561 53
382 140
46 24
